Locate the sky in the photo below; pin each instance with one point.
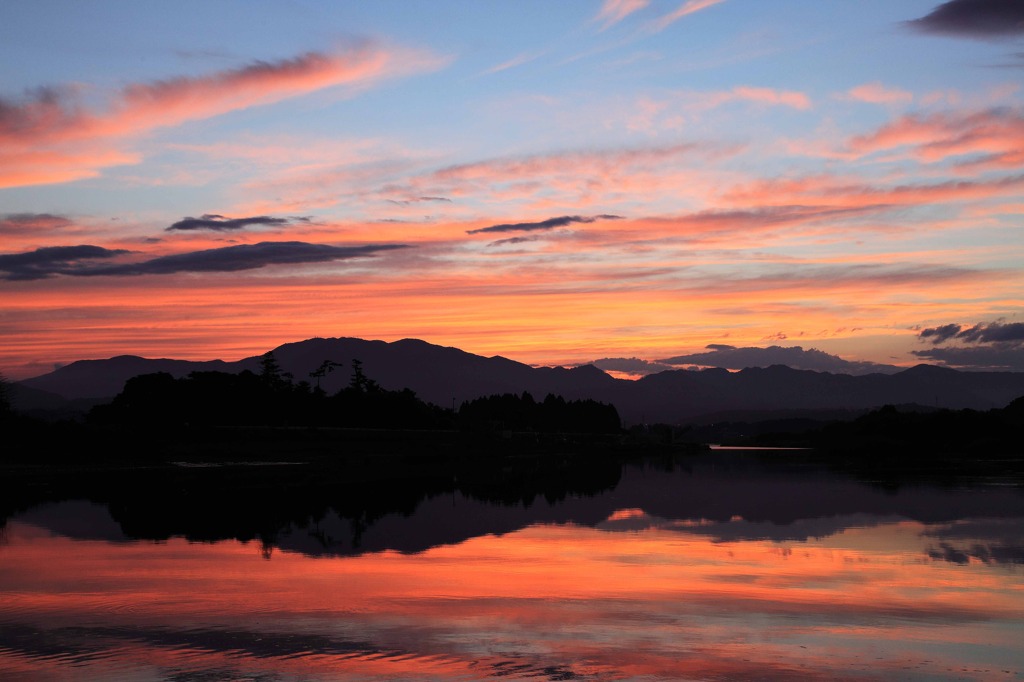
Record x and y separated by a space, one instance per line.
637 182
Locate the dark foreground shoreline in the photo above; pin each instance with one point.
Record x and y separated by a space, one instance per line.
88 457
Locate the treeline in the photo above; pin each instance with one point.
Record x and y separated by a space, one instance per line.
995 432
273 398
268 398
914 434
522 413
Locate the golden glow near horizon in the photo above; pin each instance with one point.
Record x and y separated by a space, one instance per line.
603 179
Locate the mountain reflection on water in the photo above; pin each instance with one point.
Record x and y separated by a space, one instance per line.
717 567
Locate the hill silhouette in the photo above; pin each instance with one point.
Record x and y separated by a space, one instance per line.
446 377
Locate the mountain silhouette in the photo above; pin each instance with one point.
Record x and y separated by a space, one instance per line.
447 376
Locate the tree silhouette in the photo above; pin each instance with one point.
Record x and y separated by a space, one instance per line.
270 370
360 382
325 368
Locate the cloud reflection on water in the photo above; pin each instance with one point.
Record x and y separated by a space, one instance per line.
636 597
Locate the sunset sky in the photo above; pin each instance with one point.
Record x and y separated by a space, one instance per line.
555 182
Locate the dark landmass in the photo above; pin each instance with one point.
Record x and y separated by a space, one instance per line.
255 455
447 377
223 416
216 455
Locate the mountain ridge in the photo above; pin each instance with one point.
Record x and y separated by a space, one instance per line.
447 376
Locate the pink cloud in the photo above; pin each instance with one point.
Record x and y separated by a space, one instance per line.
22 167
53 138
994 137
171 102
789 98
876 93
614 11
581 178
698 102
557 182
827 191
518 60
685 9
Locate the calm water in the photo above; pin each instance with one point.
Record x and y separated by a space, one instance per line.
722 569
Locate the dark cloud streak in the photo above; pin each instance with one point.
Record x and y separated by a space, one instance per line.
996 346
999 357
513 240
992 332
940 334
52 260
20 223
418 200
212 221
242 257
548 224
74 260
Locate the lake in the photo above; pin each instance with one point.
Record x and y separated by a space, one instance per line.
718 567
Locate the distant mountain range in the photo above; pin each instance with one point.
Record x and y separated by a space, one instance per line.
447 376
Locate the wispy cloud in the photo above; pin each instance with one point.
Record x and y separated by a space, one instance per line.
685 9
984 19
586 177
991 138
789 98
759 219
675 110
877 93
831 191
548 224
49 135
614 11
518 60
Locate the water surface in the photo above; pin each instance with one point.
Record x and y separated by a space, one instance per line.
720 569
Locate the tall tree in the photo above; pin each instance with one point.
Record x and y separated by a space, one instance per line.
270 370
325 368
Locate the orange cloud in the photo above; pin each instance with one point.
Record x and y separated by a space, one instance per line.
638 284
26 167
